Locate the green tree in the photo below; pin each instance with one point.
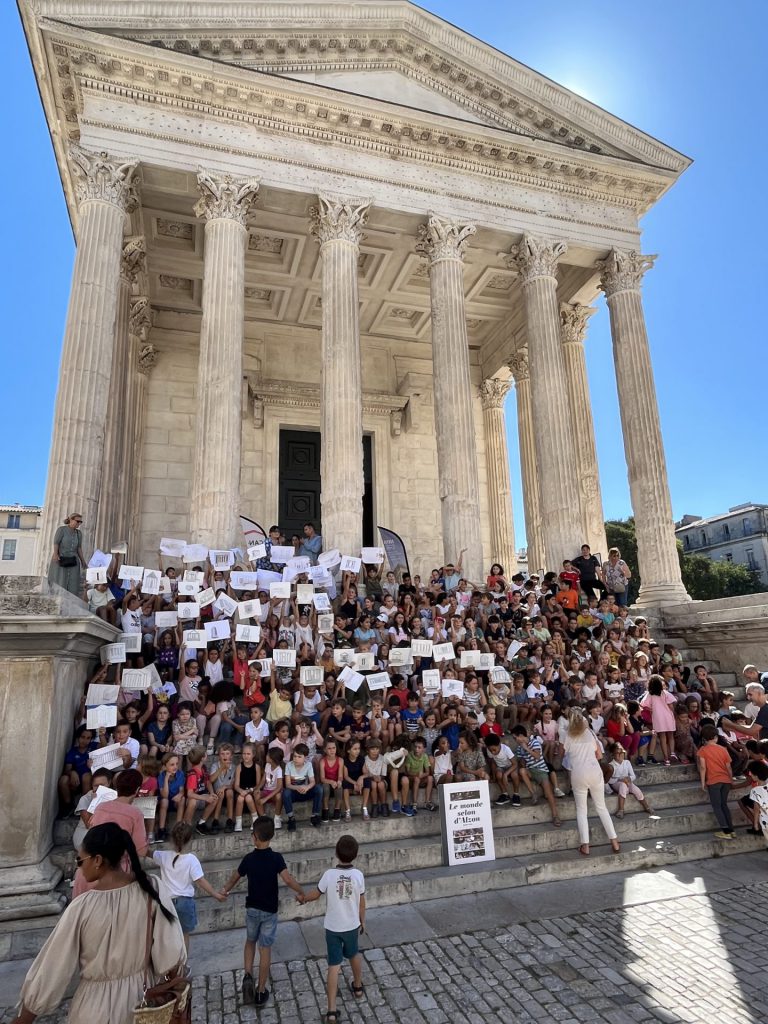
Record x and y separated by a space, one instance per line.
704 578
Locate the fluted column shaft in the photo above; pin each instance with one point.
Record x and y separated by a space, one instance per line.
337 224
536 261
573 325
659 564
531 502
215 505
77 449
493 393
141 359
443 243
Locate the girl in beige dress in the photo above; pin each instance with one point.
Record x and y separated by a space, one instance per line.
103 934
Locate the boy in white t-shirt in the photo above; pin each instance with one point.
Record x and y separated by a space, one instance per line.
344 889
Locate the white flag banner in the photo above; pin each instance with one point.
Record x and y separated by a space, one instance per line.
189 588
188 610
257 551
113 654
364 661
343 656
194 576
221 560
443 652
166 620
284 659
311 675
172 547
136 679
218 630
244 580
325 624
421 648
431 681
280 554
372 556
194 638
304 593
400 656
97 575
321 602
206 597
352 680
99 560
133 573
248 634
225 605
101 693
453 688
249 609
280 590
131 642
104 716
350 564
377 681
195 553
329 558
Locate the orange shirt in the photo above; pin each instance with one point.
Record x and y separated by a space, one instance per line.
568 599
717 764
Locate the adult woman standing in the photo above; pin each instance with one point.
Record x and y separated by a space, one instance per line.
103 934
617 575
583 753
68 554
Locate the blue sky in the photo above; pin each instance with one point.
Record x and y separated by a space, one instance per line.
686 71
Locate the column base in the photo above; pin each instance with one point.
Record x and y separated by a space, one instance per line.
660 594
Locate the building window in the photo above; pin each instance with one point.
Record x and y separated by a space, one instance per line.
703 538
728 556
9 550
726 531
14 522
687 540
747 526
751 563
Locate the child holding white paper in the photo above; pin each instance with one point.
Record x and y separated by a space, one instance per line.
76 776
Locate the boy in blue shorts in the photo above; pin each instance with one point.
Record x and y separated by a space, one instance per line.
344 889
261 867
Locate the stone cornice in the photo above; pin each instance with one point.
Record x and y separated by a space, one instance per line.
494 78
305 396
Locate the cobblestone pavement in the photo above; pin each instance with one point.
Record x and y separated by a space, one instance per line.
698 958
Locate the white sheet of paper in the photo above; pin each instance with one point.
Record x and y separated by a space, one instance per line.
321 602
101 693
304 593
248 634
281 590
325 624
280 554
249 609
431 681
136 679
188 610
99 559
320 576
155 681
221 559
120 548
219 630
195 553
104 716
453 688
329 558
194 638
96 575
206 597
150 583
352 680
300 563
364 661
289 574
189 588
103 793
343 656
499 674
244 580
470 659
165 585
147 805
257 551
134 573
166 620
311 675
284 659
225 605
172 547
421 648
194 576
113 654
377 681
485 662
131 642
372 556
266 667
350 564
513 648
399 656
267 578
442 652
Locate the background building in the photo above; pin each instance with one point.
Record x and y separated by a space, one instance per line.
19 533
738 535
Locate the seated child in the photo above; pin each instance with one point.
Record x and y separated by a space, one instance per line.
503 771
623 780
417 773
170 784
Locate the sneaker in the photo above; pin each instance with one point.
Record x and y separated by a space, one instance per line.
431 806
278 821
366 815
724 835
396 807
559 792
229 825
374 810
739 778
347 815
337 815
384 811
291 823
652 760
249 992
315 820
640 762
261 997
408 811
414 808
325 817
216 826
209 748
501 800
162 835
238 825
674 757
516 802
151 837
202 828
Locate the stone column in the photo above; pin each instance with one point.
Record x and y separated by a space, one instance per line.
661 583
142 359
536 261
215 507
492 395
518 364
337 223
118 426
104 190
443 243
573 329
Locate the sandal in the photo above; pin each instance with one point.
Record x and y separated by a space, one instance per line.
617 847
584 849
357 990
556 822
331 1017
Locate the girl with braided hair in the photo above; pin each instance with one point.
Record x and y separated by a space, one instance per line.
103 934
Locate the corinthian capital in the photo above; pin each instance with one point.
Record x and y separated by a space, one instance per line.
140 318
518 364
99 178
623 271
443 239
339 219
573 322
223 197
147 358
134 260
493 392
535 257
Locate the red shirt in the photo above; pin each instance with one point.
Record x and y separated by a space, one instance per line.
486 729
240 670
197 779
402 696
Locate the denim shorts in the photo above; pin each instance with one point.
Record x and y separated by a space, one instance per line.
186 911
341 945
260 926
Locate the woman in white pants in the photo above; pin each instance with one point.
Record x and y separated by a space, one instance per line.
584 752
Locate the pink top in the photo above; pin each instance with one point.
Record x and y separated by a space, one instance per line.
127 817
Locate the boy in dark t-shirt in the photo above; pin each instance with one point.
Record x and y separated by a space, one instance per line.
262 867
